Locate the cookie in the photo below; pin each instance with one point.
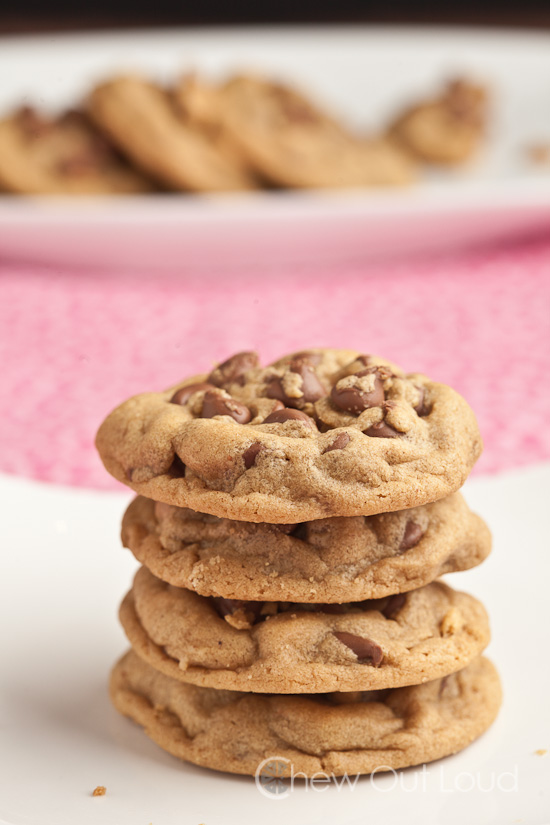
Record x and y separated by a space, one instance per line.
318 433
287 139
65 155
284 647
327 560
336 734
447 130
142 120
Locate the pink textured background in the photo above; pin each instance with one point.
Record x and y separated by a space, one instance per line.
74 344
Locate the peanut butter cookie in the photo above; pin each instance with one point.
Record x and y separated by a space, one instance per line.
285 647
334 733
327 560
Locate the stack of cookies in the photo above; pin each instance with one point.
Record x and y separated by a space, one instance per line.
292 521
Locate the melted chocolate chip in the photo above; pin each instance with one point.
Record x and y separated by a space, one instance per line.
226 607
354 399
394 604
300 531
367 651
313 358
250 455
79 164
234 368
33 124
381 430
421 408
412 535
280 416
333 609
182 396
214 404
311 388
341 441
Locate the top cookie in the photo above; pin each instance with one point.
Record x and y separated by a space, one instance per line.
319 433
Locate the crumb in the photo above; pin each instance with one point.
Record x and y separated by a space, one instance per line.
99 790
539 153
541 752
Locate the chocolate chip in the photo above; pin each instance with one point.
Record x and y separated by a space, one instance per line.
381 430
234 368
250 455
334 609
394 604
341 440
443 684
313 358
182 396
79 164
280 416
367 651
364 359
412 535
227 607
421 408
282 528
300 531
215 404
33 124
311 388
354 399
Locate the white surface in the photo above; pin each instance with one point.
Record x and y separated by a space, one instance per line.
64 574
364 75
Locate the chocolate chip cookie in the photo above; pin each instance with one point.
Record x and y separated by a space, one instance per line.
63 155
318 433
342 733
327 560
287 139
288 647
142 120
446 130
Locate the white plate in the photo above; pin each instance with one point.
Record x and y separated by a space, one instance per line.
64 574
364 74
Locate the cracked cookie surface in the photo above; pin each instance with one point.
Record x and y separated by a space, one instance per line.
327 560
285 647
318 433
338 734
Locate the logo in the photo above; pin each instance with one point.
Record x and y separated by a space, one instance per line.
270 777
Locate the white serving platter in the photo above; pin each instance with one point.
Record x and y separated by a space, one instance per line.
363 74
63 575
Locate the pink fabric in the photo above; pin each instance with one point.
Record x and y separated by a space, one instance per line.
74 344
